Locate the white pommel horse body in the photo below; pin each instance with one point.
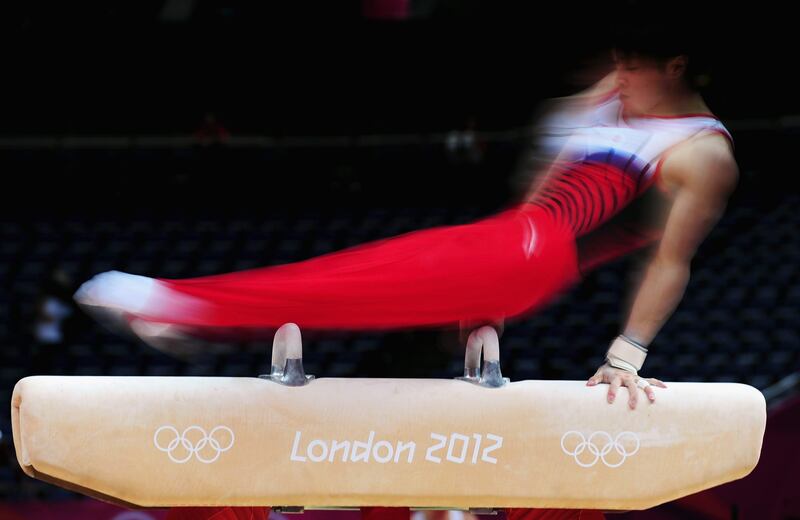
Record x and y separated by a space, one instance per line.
290 441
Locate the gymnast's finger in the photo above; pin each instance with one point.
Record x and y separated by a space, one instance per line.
633 391
616 381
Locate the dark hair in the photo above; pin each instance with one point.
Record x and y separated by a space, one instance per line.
664 39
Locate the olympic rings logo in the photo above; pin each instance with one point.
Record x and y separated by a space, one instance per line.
191 448
610 444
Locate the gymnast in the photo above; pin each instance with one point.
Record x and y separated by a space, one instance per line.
642 161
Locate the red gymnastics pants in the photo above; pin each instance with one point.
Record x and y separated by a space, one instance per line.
501 266
504 265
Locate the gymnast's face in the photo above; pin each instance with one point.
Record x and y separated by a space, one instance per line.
645 83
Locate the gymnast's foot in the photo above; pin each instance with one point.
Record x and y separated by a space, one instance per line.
112 297
166 337
115 299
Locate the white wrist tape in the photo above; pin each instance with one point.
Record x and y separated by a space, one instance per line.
626 354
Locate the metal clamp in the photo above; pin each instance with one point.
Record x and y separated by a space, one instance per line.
287 357
483 339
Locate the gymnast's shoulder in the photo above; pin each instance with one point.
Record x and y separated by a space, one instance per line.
706 163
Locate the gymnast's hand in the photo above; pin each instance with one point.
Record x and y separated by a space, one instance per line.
617 377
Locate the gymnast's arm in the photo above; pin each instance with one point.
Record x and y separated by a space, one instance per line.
707 174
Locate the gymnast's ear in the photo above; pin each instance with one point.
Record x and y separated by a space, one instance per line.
676 67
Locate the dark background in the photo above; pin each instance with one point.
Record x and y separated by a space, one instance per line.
338 122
